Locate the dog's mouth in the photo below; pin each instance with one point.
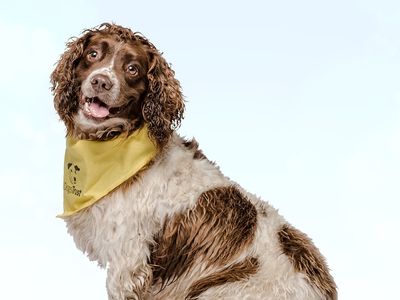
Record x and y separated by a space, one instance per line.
95 108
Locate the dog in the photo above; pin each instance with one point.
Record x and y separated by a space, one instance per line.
175 228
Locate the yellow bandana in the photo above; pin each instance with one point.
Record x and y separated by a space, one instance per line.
92 169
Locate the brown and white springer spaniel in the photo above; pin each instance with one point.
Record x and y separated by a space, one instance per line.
179 229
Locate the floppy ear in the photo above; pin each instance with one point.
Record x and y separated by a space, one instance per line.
64 85
164 105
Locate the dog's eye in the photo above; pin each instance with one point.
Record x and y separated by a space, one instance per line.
132 70
93 55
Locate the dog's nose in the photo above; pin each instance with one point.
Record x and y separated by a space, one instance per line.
101 82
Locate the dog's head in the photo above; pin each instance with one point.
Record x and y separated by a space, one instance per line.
112 80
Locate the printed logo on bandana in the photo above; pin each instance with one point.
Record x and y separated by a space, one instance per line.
73 171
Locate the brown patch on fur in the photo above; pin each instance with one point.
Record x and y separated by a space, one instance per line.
215 231
307 259
236 272
193 145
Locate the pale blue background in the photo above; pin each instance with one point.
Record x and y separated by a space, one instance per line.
298 101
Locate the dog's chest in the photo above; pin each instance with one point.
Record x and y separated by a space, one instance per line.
120 221
125 222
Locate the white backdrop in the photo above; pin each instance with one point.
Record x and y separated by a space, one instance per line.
298 101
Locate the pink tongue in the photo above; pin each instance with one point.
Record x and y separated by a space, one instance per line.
98 111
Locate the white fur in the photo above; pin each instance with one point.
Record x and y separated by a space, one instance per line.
117 231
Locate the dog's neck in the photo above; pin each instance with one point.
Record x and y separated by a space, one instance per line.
92 169
86 129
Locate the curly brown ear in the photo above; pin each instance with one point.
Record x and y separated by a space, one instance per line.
164 105
64 85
